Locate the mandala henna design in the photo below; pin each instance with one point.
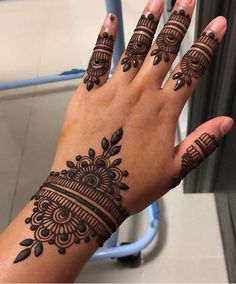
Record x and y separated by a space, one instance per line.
192 157
100 61
195 61
79 203
169 40
140 42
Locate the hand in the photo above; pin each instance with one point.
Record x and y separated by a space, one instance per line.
135 100
116 153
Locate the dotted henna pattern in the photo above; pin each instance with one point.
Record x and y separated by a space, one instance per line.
193 157
100 61
79 203
140 42
169 39
195 61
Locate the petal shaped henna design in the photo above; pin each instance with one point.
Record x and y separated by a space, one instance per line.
79 203
171 36
100 60
195 61
192 157
140 42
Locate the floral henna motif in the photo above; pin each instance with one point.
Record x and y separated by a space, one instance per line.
193 157
100 61
169 40
140 42
195 61
79 203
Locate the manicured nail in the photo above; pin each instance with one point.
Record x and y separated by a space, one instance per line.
226 125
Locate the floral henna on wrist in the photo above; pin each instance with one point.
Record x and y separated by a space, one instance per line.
100 61
193 157
169 40
195 61
79 203
140 42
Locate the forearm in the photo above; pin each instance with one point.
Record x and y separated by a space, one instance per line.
48 267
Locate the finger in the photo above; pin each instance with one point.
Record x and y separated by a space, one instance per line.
166 46
139 43
194 63
100 62
199 145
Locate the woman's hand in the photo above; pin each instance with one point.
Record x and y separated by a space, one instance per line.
117 152
137 101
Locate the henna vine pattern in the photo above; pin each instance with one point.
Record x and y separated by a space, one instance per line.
140 42
193 157
195 61
169 40
100 61
79 203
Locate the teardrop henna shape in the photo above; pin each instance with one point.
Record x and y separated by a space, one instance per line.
196 60
100 61
169 39
140 42
79 203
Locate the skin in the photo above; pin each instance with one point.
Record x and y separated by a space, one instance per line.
148 113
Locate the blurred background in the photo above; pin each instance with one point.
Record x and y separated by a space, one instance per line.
196 236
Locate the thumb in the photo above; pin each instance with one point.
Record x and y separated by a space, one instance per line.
199 145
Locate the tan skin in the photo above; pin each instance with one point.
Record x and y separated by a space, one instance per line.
148 114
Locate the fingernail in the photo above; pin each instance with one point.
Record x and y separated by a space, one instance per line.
154 6
185 3
226 125
112 17
218 26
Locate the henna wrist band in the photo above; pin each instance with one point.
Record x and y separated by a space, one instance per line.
79 203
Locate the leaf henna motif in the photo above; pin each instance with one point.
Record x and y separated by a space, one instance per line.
169 39
100 61
79 203
140 42
196 60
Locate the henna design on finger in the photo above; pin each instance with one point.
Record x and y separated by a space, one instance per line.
100 61
79 203
140 42
195 61
193 157
169 40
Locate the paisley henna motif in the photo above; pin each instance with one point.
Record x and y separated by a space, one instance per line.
193 157
79 203
169 40
196 60
140 42
100 61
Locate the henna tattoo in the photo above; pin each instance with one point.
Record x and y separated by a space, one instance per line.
79 203
140 42
169 40
192 157
195 61
100 61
